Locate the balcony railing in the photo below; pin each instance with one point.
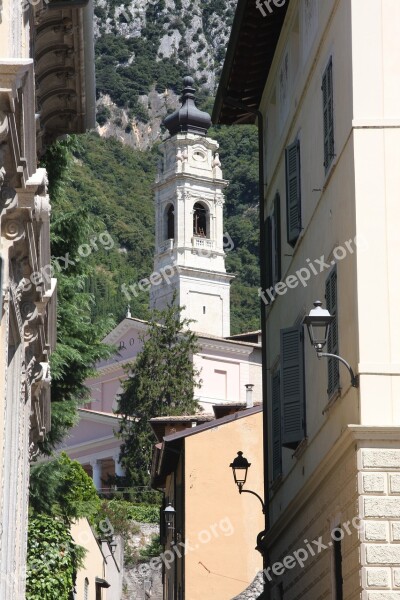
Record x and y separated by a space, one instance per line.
202 242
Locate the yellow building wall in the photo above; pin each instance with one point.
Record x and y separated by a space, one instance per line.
221 526
93 561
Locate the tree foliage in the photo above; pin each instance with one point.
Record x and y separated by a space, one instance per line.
79 336
62 488
53 559
160 382
60 492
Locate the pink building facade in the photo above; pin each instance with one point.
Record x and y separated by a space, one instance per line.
226 365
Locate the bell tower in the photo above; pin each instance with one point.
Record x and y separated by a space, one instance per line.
189 199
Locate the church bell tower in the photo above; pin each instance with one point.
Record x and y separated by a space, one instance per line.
189 199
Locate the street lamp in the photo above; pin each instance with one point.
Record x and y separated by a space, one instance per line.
239 467
169 515
318 324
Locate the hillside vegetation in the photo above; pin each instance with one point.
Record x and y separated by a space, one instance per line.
113 182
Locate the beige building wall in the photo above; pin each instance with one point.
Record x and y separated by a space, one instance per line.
354 206
220 524
93 562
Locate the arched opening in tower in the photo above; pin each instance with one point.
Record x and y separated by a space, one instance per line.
170 223
199 220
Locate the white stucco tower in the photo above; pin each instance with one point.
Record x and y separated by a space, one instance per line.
189 201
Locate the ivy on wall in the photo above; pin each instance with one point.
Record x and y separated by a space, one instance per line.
53 559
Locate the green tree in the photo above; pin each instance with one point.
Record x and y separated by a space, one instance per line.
79 344
62 488
161 382
60 492
53 559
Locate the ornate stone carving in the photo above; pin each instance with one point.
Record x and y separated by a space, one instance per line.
4 128
33 451
8 197
13 229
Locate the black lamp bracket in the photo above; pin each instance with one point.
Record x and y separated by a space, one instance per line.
242 491
354 378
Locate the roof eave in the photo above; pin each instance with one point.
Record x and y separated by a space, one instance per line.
243 78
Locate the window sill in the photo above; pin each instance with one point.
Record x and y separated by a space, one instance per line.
332 400
276 483
298 453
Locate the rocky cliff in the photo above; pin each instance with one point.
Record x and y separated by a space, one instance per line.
143 49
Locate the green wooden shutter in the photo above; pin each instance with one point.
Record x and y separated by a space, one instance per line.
292 387
333 338
293 192
268 245
276 426
327 103
277 239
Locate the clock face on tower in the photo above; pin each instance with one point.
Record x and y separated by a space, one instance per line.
199 156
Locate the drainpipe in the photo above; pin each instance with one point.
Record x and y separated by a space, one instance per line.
263 251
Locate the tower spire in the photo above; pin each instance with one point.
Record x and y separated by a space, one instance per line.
188 118
189 199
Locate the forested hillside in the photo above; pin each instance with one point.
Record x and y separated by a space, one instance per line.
143 50
114 183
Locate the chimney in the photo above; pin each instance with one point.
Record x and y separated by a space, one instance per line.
249 395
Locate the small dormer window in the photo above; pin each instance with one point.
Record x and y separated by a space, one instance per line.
200 214
170 223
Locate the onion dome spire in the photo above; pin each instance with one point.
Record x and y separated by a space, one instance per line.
188 118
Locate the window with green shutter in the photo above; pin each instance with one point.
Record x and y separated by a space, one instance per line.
327 103
276 426
293 192
276 239
333 337
292 387
273 244
268 245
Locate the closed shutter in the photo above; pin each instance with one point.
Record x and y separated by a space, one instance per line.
327 101
268 245
292 387
276 426
277 239
333 337
293 192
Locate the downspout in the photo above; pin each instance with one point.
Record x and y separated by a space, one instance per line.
263 252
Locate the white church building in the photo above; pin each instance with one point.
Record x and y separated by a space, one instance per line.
189 261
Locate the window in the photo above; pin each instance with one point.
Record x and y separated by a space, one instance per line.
170 223
293 192
276 426
292 387
200 220
333 338
337 566
327 103
273 235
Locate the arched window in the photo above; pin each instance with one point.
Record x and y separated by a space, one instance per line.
86 590
170 223
200 214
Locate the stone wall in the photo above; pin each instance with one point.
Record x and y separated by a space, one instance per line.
379 483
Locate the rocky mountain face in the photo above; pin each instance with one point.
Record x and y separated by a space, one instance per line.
143 49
